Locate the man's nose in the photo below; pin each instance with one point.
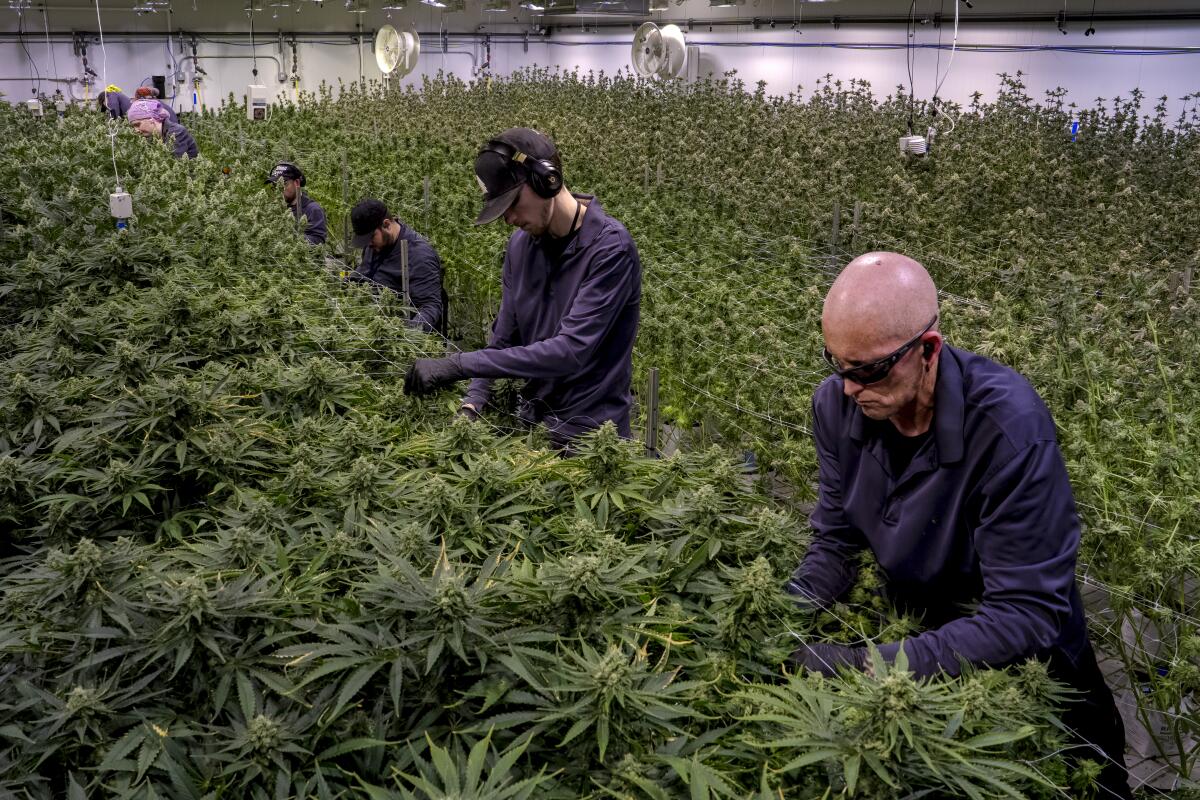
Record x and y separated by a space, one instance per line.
510 217
850 388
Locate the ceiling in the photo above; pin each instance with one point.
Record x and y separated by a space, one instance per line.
332 15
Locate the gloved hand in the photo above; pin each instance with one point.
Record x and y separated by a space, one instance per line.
427 375
828 659
468 411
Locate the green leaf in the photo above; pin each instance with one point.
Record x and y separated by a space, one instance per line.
850 767
246 695
353 684
350 746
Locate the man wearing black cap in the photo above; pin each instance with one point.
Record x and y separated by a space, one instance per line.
380 234
291 181
570 304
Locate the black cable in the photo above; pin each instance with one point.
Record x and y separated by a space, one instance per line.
36 90
1091 28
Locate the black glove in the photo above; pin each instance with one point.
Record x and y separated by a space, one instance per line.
427 375
828 659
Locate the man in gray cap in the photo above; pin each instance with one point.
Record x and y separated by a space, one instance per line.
290 180
571 292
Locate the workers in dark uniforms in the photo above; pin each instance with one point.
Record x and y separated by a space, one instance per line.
114 102
150 119
380 234
290 180
571 293
945 464
150 93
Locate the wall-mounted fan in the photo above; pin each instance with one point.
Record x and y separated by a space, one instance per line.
396 52
659 51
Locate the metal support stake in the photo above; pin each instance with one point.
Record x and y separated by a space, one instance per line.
652 423
660 175
428 200
834 230
646 180
404 271
346 205
854 230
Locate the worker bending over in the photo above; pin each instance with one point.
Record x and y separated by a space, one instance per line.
945 465
150 119
150 93
379 234
290 180
114 102
571 291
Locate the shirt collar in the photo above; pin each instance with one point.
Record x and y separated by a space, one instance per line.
948 405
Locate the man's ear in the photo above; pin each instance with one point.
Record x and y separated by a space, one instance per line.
931 346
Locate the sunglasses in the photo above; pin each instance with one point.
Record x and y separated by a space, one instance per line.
875 371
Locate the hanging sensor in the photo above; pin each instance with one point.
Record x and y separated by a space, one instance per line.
60 104
1074 129
256 101
35 107
120 205
913 145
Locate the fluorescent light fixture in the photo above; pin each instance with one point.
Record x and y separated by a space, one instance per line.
725 3
358 6
531 5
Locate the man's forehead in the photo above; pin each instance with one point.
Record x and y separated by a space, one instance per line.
857 346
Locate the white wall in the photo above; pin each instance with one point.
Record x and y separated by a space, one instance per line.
782 58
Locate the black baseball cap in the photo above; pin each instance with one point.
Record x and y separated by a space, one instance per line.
501 177
366 218
286 170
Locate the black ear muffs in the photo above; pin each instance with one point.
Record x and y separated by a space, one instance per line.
543 176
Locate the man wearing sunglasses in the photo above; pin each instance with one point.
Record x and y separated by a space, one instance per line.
571 291
945 464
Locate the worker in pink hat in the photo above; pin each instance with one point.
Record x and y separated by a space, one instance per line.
150 119
150 93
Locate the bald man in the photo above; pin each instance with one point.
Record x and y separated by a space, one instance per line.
945 464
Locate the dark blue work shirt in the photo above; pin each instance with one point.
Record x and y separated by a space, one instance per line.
184 144
315 228
117 104
567 325
979 533
384 267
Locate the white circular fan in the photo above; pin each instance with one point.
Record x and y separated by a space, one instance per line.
659 52
397 51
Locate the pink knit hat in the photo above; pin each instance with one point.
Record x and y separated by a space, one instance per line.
146 109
